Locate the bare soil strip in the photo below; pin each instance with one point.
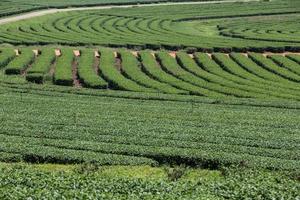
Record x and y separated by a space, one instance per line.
24 72
265 54
96 64
118 63
52 68
283 54
76 81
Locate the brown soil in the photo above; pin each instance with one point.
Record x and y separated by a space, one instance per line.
76 81
118 64
283 54
52 69
24 72
96 65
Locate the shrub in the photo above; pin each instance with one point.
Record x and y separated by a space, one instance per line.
21 62
63 69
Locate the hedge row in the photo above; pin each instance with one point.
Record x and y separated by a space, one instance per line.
114 77
63 69
271 66
209 65
245 68
293 57
41 66
21 62
131 68
286 63
215 82
151 67
6 55
87 73
170 65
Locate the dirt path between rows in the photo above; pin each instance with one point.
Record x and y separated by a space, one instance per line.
76 81
56 10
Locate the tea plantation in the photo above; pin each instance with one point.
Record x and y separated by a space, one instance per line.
152 100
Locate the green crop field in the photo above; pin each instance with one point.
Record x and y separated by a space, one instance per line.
135 182
216 75
74 128
205 27
189 100
13 7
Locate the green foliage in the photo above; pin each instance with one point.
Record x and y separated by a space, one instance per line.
131 68
13 7
218 76
6 56
87 168
41 66
63 68
21 62
171 66
185 74
214 82
254 75
278 29
152 69
43 61
22 182
175 173
233 79
114 77
271 66
295 58
286 63
35 77
205 27
87 73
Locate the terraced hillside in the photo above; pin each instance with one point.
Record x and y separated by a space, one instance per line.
46 123
204 27
217 75
262 29
190 101
49 125
13 7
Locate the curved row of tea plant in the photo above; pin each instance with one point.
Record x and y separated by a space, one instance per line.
163 27
39 69
221 76
63 68
13 7
263 29
88 72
